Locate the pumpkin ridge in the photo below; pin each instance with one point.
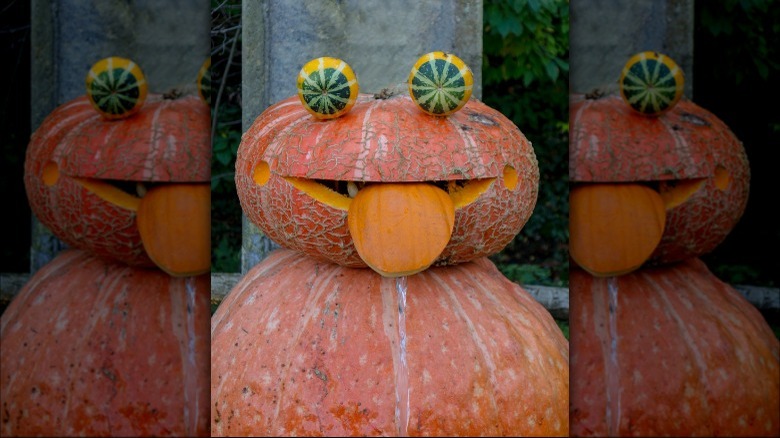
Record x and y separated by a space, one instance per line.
688 338
184 302
310 312
390 317
600 313
474 334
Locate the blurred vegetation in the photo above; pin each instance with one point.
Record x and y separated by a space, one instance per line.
736 66
226 134
526 76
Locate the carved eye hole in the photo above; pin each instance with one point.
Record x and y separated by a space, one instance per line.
261 173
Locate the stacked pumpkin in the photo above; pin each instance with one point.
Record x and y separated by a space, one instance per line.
374 197
660 346
107 338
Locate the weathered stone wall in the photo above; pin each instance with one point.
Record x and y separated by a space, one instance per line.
605 33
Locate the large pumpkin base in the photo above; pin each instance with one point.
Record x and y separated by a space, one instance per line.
670 351
305 347
96 348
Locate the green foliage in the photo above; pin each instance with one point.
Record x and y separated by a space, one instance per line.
527 40
525 76
748 31
736 67
226 109
564 326
525 274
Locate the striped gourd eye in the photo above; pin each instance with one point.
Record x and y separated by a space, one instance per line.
440 83
651 83
327 87
116 87
204 81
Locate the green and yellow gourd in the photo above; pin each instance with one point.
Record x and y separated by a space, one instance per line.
651 83
327 87
116 87
440 83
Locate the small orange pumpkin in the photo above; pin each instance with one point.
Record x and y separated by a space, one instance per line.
94 347
629 227
296 175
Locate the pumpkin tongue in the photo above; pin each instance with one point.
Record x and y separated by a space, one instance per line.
400 228
614 228
174 221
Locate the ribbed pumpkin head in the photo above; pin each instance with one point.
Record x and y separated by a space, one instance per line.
653 188
387 185
134 188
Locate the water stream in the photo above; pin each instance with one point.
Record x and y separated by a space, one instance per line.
612 365
402 373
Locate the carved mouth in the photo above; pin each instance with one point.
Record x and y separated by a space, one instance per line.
339 194
173 218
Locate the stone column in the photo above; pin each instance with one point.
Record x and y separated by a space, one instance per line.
169 40
379 39
605 33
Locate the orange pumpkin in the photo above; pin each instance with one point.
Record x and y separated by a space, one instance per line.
85 175
629 227
688 155
93 347
302 347
673 352
296 176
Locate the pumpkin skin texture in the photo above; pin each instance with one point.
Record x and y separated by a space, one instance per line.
302 347
694 357
386 140
686 149
92 347
166 141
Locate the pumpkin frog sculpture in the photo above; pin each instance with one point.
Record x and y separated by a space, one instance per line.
374 196
107 338
660 346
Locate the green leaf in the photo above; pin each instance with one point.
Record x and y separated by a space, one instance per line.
552 70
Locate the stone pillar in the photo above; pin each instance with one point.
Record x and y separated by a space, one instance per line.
169 40
380 40
605 33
